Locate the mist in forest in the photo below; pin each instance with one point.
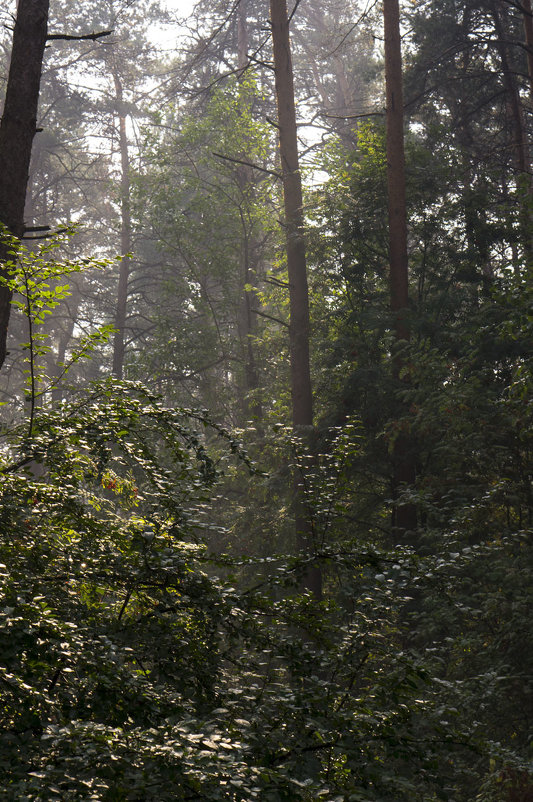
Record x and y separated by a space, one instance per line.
265 381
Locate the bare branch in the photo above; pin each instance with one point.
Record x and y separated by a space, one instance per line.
69 38
293 12
354 116
270 317
247 164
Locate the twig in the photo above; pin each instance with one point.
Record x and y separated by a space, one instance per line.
247 164
293 12
354 116
266 64
270 317
126 600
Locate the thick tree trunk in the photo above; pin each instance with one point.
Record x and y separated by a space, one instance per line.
404 515
17 130
302 401
125 238
302 404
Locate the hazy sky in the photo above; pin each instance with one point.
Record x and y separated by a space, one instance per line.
183 7
166 36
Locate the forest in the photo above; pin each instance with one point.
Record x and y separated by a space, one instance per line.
266 339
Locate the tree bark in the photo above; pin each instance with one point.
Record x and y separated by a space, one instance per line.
404 515
528 31
302 404
301 392
519 143
17 130
121 308
242 36
247 323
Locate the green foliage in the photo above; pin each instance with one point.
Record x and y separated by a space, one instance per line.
132 666
155 643
36 277
212 214
87 576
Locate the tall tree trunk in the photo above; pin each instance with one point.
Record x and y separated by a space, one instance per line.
17 130
519 137
301 393
125 236
520 143
64 339
528 31
247 324
404 515
242 36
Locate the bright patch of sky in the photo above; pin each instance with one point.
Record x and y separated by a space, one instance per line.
183 7
165 36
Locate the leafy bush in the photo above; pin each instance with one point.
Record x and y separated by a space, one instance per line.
131 668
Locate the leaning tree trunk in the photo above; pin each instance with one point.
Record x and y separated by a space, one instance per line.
404 515
302 400
17 130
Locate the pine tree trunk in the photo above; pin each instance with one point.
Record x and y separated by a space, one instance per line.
519 143
528 31
242 36
301 393
125 238
17 130
404 515
247 324
251 406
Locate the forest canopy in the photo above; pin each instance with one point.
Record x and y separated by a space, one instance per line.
266 330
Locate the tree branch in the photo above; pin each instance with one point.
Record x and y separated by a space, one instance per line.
293 12
270 317
69 38
247 164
